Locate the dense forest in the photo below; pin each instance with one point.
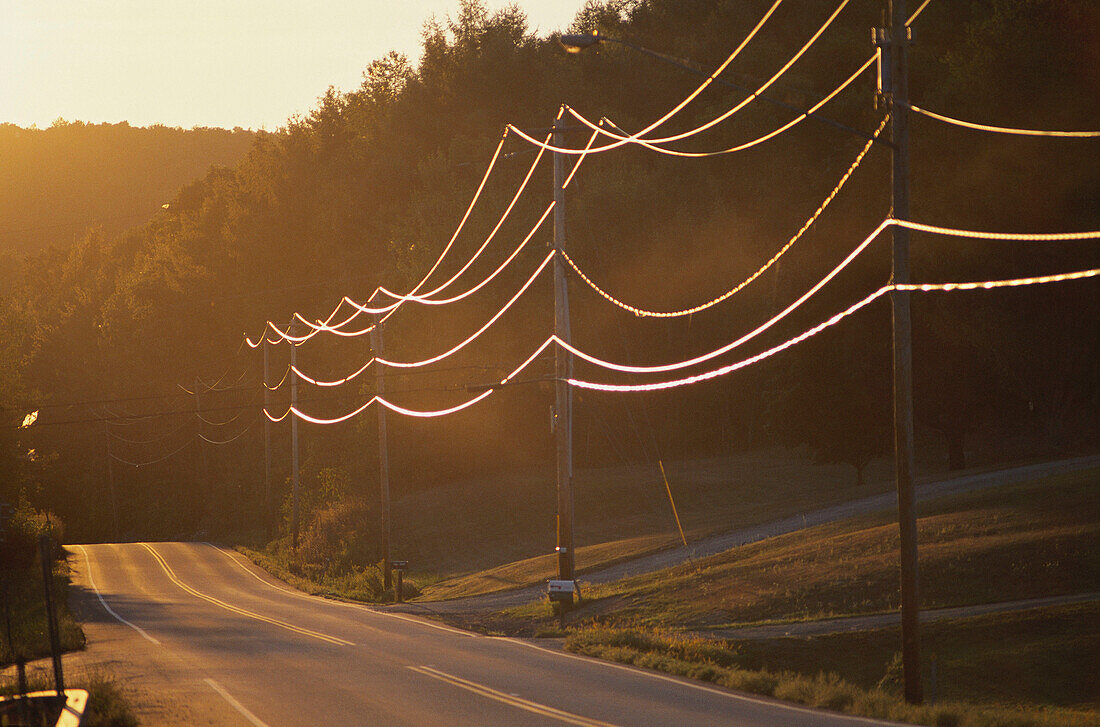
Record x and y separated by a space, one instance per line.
59 181
130 345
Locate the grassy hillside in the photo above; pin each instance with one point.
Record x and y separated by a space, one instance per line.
1025 541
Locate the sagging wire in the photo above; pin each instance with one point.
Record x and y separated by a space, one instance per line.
748 144
231 439
637 138
412 296
138 465
1003 129
922 287
418 413
425 298
677 108
641 312
204 420
338 382
888 222
583 384
446 248
438 357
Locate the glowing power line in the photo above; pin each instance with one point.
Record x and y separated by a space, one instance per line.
677 108
920 288
653 146
737 288
1004 129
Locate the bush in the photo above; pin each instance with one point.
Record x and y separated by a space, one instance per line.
334 540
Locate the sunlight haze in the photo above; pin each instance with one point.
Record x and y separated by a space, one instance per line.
203 63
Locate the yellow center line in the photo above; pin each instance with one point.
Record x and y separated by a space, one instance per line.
519 703
242 611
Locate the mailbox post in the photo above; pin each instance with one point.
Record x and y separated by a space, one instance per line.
399 567
561 596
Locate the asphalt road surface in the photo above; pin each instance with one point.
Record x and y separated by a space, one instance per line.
203 638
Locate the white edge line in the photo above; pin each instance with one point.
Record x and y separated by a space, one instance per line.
343 604
684 682
110 610
235 704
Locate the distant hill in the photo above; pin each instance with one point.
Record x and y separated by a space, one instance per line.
55 183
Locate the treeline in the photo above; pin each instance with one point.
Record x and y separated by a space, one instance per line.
369 187
59 181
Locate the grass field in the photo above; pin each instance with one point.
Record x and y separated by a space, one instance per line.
505 529
1025 541
1033 668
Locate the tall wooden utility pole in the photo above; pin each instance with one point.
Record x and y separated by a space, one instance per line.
563 369
383 452
267 443
294 441
111 480
894 44
203 463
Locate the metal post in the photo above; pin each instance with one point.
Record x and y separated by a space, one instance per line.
267 443
903 354
51 613
294 443
563 369
383 455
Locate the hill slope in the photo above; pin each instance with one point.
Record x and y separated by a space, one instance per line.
59 181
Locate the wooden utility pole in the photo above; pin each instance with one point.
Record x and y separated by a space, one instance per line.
294 442
267 443
563 369
383 452
203 463
111 479
894 40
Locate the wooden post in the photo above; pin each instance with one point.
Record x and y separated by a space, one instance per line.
903 354
563 369
267 442
383 454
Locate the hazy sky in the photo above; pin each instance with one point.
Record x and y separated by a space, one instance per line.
249 63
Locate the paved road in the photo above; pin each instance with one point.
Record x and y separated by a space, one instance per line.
925 491
200 637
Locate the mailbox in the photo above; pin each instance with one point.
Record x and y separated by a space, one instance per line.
399 564
561 590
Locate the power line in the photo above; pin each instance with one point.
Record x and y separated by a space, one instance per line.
760 271
1003 129
923 287
675 109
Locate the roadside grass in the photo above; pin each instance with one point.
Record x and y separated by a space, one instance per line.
22 589
107 705
1031 540
362 585
1025 669
540 568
